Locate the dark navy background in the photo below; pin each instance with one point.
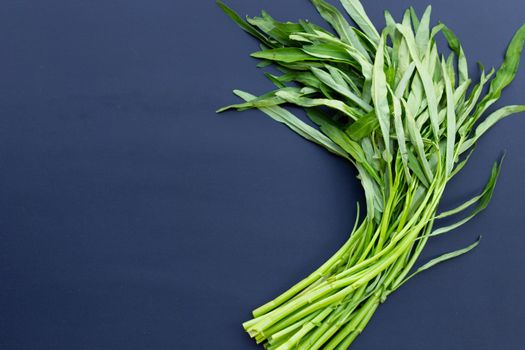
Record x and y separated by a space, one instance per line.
133 217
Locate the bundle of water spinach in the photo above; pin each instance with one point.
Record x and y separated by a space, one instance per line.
407 118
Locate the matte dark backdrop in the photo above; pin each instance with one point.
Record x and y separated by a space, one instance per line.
133 217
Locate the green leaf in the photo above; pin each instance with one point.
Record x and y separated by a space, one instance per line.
305 78
455 46
372 193
363 127
489 187
496 117
431 61
470 104
244 25
340 86
300 66
508 69
339 137
389 20
414 165
276 30
483 202
394 36
284 54
417 198
283 116
506 73
267 100
435 30
415 101
357 13
413 17
380 96
423 31
327 47
425 79
403 58
443 258
275 80
403 83
311 28
450 71
459 93
490 121
400 133
462 163
417 141
329 52
264 64
451 122
343 77
332 15
298 99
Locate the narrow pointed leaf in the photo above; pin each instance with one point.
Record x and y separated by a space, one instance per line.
281 115
443 258
363 127
490 121
341 87
340 25
298 99
357 13
506 73
451 123
425 79
284 54
455 46
423 31
380 96
243 24
482 202
417 141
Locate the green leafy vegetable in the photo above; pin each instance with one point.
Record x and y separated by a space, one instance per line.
388 102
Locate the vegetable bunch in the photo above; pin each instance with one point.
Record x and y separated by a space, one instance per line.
407 118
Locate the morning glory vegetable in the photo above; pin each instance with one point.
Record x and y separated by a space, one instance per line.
407 118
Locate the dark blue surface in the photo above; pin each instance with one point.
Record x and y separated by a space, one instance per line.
133 217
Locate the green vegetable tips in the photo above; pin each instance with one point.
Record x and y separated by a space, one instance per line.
407 118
